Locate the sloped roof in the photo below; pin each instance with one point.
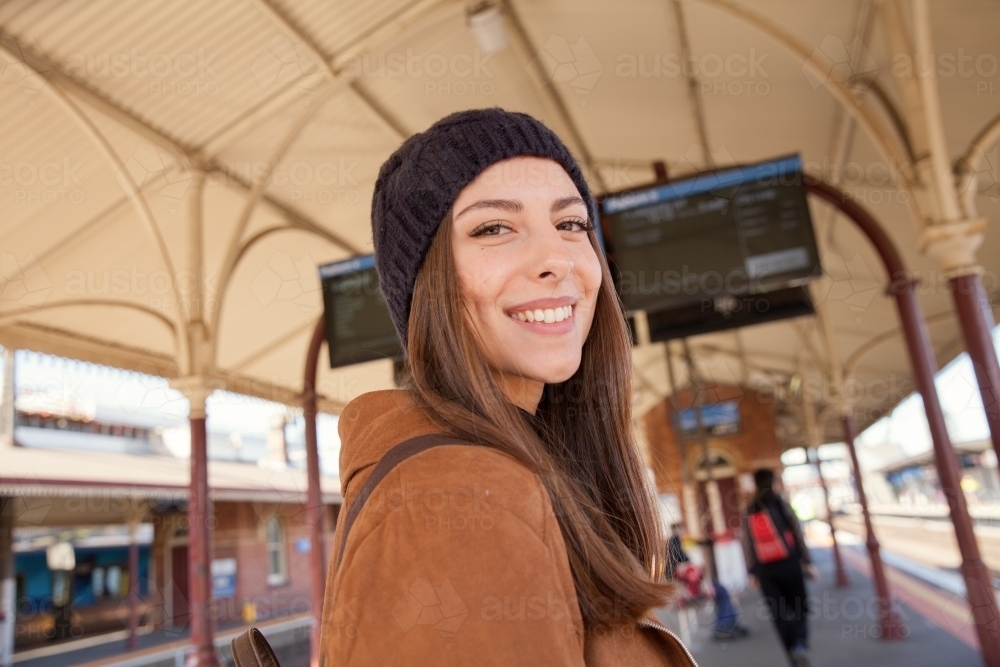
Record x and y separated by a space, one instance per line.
30 472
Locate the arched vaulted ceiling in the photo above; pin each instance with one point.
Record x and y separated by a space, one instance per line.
131 129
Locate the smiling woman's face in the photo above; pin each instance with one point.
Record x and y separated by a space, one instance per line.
527 271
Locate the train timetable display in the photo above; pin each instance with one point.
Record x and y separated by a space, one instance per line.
358 325
736 231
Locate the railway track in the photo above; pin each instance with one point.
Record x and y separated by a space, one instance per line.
928 540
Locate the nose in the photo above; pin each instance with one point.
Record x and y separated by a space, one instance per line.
551 255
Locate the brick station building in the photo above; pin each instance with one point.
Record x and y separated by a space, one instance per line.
741 438
260 545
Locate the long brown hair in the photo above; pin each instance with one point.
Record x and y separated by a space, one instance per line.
582 446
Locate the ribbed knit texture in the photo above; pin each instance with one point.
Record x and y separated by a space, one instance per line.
418 184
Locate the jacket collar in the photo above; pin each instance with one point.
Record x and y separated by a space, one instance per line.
372 424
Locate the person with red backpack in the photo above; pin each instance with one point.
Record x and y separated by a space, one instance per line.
778 561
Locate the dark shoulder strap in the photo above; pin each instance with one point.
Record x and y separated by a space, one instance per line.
389 460
250 649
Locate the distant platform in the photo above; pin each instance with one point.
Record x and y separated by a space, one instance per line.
842 631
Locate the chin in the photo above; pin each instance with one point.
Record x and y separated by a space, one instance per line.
555 373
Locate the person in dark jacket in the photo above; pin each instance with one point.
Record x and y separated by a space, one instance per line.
778 562
675 551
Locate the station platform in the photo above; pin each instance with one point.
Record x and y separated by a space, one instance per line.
288 636
842 631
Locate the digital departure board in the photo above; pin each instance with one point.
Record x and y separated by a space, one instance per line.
738 231
358 325
728 312
718 419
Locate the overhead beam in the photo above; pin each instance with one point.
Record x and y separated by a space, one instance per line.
967 165
134 194
693 86
253 196
56 76
819 66
843 134
294 216
930 198
185 154
551 98
283 23
271 347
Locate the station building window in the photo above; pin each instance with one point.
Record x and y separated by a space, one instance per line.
277 563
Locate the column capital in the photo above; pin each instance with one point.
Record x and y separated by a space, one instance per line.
954 244
196 389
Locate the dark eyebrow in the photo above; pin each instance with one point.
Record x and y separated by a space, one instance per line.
566 202
509 205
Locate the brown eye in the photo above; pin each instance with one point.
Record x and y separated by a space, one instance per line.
489 229
575 225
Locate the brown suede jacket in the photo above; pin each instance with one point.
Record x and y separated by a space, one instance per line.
457 559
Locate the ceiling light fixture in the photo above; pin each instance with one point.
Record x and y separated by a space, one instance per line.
486 24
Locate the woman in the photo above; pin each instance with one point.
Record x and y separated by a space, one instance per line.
533 538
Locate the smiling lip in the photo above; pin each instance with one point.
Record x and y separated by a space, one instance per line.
547 303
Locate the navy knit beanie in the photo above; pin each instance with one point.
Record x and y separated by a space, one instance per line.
418 184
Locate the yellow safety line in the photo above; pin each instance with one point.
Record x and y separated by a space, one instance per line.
922 591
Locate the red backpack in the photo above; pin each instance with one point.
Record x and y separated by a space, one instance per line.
768 544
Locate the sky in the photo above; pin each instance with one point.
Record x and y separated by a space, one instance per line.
116 396
960 400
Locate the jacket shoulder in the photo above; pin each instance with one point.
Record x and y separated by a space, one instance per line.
466 483
456 549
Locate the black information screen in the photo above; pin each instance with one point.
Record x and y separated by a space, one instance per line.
737 231
358 325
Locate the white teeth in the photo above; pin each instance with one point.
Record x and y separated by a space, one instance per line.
548 315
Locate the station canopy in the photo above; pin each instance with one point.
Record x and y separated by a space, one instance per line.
129 129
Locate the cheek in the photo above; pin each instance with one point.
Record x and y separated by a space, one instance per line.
480 280
589 278
588 270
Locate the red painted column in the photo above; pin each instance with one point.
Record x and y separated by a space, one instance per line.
314 493
976 319
887 617
978 584
200 547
